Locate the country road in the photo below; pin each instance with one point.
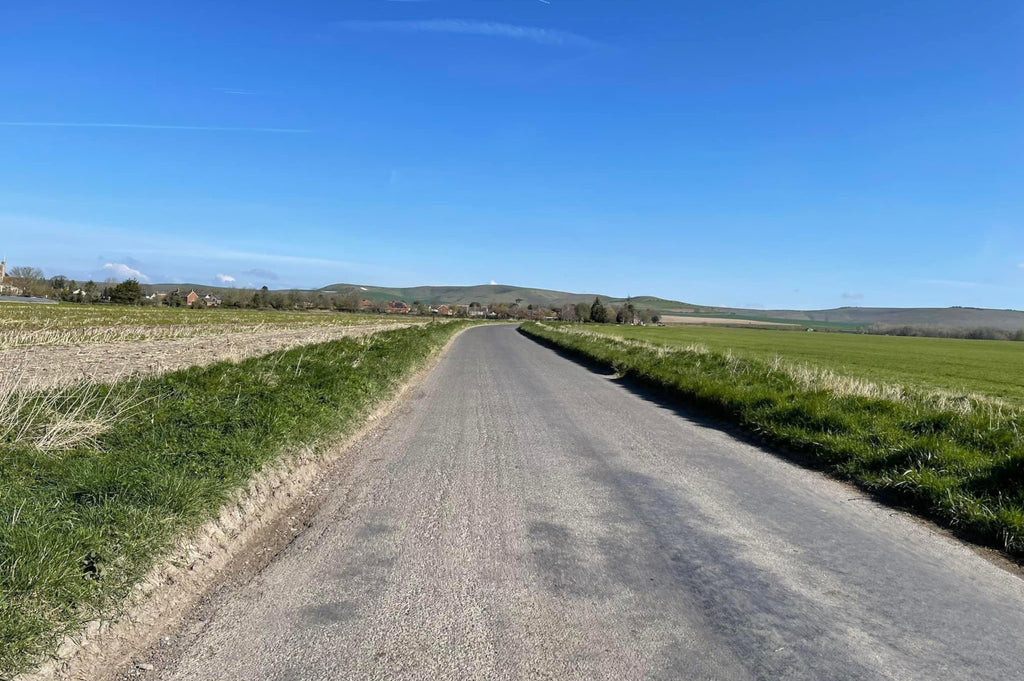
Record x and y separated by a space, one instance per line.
520 516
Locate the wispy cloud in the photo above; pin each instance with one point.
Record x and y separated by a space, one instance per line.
542 36
236 91
950 282
122 271
145 126
852 295
225 279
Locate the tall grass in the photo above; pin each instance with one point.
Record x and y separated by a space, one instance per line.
62 417
79 525
956 458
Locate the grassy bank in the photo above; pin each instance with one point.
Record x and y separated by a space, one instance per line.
991 367
958 459
81 523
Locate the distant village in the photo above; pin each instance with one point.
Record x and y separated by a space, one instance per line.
29 284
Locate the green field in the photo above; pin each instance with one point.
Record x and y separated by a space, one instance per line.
990 367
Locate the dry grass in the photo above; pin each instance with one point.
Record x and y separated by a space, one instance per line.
63 417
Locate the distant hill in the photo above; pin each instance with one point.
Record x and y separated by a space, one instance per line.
487 294
956 317
841 317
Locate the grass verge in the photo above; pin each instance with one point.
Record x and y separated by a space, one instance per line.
957 459
80 526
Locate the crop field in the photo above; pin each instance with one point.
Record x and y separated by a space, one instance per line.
994 368
953 456
48 345
26 325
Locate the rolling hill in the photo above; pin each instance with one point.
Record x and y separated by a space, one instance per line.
486 294
841 317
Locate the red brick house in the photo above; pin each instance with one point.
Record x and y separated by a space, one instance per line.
191 298
398 307
444 311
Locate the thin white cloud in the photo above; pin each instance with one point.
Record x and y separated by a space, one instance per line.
231 254
145 126
236 91
493 283
852 295
1021 265
542 36
122 271
225 279
950 282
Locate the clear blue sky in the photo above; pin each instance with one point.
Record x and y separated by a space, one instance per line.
779 154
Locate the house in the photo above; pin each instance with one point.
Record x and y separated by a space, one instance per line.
211 301
443 310
191 298
398 307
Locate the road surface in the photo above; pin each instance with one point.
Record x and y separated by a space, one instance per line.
521 516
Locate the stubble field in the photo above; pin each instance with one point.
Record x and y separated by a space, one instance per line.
48 345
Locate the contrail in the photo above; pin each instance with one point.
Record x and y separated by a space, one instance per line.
145 126
543 36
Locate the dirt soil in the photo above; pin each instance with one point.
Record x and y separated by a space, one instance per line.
48 366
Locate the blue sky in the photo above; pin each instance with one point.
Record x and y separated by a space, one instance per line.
776 154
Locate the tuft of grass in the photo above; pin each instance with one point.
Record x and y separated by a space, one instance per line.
81 524
64 417
955 458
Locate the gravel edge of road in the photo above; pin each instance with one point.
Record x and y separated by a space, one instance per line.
102 648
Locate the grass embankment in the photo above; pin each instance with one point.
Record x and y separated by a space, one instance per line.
958 459
991 367
79 526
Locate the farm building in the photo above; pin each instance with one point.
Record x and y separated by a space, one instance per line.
398 307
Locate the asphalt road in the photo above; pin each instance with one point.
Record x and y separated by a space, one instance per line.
521 516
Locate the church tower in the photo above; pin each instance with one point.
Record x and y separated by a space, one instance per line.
3 270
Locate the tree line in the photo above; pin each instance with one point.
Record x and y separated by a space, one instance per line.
33 282
930 331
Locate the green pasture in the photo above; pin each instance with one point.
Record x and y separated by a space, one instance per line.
990 367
